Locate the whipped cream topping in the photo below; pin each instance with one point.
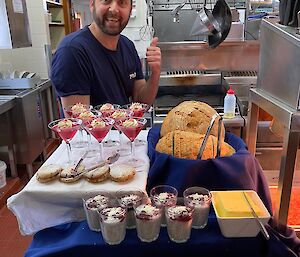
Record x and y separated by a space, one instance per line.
118 114
179 212
78 108
66 123
146 211
97 202
86 115
113 214
130 123
198 199
98 123
107 107
164 199
129 200
136 107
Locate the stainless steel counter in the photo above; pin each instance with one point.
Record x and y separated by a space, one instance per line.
291 120
7 103
33 110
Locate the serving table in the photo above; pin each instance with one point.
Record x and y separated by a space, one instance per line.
240 171
43 205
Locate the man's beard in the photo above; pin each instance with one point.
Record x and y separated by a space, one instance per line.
108 30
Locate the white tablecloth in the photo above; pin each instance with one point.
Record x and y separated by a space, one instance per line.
42 205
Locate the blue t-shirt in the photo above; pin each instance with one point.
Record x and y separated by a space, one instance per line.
83 66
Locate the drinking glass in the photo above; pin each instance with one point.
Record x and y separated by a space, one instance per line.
179 223
199 199
106 111
113 224
148 221
66 129
74 111
129 198
92 206
131 128
99 128
163 196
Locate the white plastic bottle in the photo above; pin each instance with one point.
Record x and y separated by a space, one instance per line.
229 104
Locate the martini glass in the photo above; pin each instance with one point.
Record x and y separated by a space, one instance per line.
87 117
99 128
120 115
138 109
74 111
131 128
106 111
66 129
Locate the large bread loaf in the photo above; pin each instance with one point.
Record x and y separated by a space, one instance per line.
191 116
184 144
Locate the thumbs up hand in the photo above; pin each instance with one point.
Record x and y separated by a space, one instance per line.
153 55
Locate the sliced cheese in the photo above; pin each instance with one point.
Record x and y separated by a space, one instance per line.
234 204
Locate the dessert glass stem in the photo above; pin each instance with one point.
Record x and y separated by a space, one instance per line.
69 151
101 151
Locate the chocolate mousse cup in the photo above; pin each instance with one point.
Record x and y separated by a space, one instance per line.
179 223
129 198
163 197
199 199
92 206
148 220
113 224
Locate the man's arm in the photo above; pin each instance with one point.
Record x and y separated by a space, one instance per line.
74 99
143 91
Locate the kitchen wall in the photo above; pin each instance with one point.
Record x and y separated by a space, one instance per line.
31 58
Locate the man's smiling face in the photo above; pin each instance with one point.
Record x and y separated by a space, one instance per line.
111 16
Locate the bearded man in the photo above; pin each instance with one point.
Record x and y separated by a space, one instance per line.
97 64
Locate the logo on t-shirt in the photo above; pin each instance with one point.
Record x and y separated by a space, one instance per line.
132 75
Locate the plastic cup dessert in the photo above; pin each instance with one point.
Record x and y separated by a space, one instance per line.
92 207
148 221
113 224
179 223
199 199
128 199
163 197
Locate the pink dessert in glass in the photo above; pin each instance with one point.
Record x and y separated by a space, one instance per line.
113 224
66 129
148 221
179 223
138 109
131 127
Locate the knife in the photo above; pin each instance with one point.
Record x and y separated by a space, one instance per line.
261 226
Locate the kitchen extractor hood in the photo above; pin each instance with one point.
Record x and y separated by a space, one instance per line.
14 24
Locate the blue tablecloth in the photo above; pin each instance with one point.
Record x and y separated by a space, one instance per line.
240 171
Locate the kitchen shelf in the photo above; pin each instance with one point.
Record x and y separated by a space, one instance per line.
58 11
56 24
54 4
